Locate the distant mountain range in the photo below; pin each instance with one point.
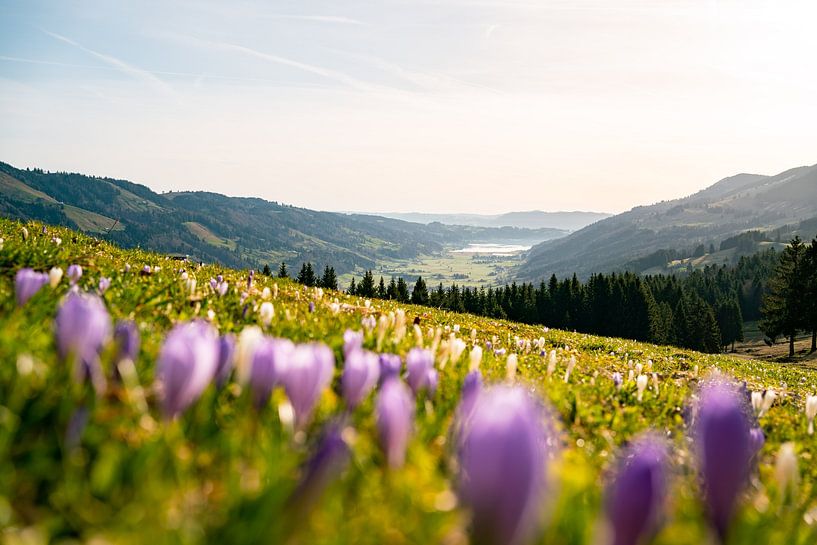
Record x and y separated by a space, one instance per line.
732 206
240 232
533 219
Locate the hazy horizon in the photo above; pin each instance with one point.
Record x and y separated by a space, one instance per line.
435 107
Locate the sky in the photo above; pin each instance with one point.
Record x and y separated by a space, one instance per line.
481 106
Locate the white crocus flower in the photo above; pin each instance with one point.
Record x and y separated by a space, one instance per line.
510 367
811 412
768 400
475 358
248 340
757 401
54 276
571 363
551 363
266 294
266 313
785 470
641 385
456 347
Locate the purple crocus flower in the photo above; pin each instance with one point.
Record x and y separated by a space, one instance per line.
618 380
222 288
724 451
418 364
311 306
635 497
352 340
327 462
27 282
219 278
226 353
390 366
187 362
432 381
756 441
361 370
269 362
126 337
395 415
213 284
104 284
307 374
502 459
74 273
81 328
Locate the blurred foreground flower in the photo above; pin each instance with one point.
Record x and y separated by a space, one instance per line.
27 282
361 370
419 364
635 497
503 454
330 458
187 363
724 451
395 415
74 273
81 328
269 359
306 375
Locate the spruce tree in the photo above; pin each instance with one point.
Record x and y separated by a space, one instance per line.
419 296
381 289
352 287
784 307
301 278
282 271
267 271
402 291
391 291
367 287
329 279
811 293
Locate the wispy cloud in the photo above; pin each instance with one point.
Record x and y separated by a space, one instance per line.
127 69
335 19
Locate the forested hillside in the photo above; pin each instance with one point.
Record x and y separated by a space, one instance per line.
234 231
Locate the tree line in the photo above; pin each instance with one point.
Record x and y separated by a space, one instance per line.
704 310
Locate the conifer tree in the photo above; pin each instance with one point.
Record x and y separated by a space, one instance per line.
267 271
352 287
784 307
381 289
391 291
419 296
329 279
811 293
402 291
367 287
282 271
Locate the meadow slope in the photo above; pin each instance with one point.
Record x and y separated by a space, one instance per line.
85 466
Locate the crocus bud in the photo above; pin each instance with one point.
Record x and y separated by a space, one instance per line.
641 385
785 470
226 353
618 380
81 327
471 387
502 459
54 276
571 363
510 367
248 340
213 284
456 348
635 497
811 412
266 313
74 274
395 415
475 358
418 363
25 234
308 373
104 284
126 338
551 363
27 282
361 370
222 288
352 341
769 397
724 452
327 462
187 363
270 359
390 366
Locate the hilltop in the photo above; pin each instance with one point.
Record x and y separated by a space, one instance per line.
732 206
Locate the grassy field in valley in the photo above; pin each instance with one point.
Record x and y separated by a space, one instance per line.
86 465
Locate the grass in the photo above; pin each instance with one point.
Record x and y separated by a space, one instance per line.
223 472
448 267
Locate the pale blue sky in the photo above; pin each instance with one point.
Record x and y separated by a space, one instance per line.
387 105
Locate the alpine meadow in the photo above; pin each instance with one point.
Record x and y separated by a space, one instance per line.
461 272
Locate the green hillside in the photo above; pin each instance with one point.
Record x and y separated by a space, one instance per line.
241 232
102 464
